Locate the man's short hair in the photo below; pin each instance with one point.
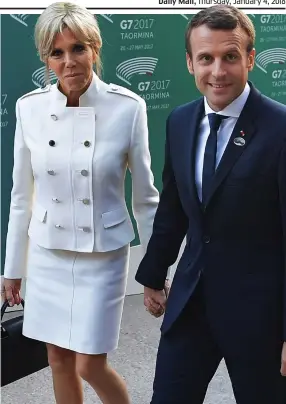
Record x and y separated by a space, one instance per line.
221 17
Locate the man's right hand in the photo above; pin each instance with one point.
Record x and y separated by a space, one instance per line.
155 301
11 291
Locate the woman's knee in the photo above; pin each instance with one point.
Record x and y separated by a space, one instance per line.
91 367
61 359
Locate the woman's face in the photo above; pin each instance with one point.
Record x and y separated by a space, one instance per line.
72 62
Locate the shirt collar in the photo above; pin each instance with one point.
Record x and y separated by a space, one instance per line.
234 109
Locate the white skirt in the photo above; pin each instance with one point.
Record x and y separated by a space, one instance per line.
75 300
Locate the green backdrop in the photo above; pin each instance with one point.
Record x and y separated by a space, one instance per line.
142 52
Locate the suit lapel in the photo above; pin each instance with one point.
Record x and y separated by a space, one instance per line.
245 124
192 131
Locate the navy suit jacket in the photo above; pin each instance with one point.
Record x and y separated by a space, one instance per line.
237 242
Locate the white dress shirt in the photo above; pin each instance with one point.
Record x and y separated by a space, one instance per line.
233 110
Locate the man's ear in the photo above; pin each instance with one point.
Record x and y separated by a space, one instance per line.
189 64
251 60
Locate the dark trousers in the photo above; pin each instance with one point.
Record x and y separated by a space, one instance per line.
188 358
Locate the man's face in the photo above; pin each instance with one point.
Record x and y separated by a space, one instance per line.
220 64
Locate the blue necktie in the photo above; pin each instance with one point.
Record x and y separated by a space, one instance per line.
210 154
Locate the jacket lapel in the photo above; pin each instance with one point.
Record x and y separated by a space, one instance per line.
192 131
244 129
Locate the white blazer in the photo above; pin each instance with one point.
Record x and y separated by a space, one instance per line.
69 170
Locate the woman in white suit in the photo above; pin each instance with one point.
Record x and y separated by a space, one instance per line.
69 225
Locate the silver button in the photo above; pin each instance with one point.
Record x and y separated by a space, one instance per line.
84 173
54 117
85 229
58 226
55 200
114 89
86 201
51 172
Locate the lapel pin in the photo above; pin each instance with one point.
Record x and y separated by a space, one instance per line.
239 141
242 133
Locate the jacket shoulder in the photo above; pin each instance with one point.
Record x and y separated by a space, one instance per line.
189 106
185 109
116 89
37 91
274 106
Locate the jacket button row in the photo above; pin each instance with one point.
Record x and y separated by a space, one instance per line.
84 228
86 143
83 172
85 201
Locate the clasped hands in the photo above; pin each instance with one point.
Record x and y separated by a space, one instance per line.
155 300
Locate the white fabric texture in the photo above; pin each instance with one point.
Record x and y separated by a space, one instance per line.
75 300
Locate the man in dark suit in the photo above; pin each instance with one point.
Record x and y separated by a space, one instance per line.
224 188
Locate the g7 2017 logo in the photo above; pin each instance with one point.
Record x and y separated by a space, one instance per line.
39 77
21 18
107 17
275 56
279 74
141 65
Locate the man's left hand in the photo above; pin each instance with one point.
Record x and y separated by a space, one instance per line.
283 360
152 299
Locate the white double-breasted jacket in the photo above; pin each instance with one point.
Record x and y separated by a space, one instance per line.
69 173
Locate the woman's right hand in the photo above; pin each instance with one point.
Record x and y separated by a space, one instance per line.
11 291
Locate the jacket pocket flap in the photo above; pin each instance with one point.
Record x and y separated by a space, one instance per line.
39 212
113 217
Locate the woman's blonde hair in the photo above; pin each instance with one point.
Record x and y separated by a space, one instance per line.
78 19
